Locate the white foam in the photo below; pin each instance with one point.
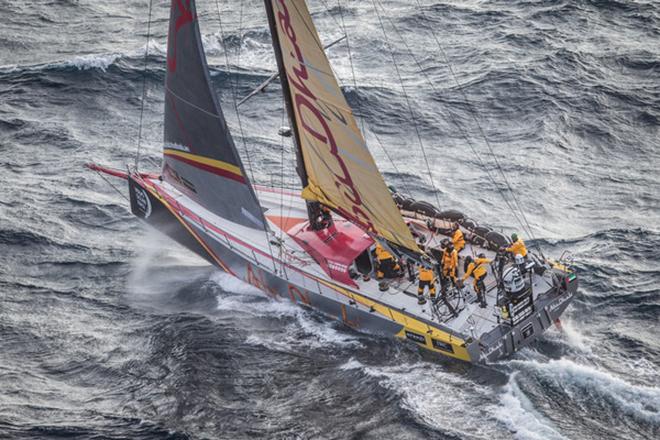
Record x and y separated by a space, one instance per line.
574 337
303 329
571 336
93 61
254 54
304 333
519 415
585 382
154 48
351 364
321 334
158 252
232 284
442 400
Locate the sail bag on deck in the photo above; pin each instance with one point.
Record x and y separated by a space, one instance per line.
341 172
200 156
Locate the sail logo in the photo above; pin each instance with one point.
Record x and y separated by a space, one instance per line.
313 121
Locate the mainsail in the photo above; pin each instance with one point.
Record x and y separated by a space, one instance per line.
340 171
200 156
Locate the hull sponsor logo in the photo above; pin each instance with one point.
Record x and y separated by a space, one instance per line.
257 279
440 345
142 201
554 305
297 295
420 339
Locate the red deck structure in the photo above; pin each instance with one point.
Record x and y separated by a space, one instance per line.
334 248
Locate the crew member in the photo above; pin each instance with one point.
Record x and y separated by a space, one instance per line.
426 279
458 239
478 269
449 263
517 246
387 265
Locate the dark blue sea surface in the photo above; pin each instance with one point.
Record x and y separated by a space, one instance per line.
110 331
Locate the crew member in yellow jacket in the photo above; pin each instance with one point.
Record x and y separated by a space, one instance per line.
449 263
426 279
387 265
478 269
458 239
517 247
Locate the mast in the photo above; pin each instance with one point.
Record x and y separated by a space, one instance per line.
335 165
313 208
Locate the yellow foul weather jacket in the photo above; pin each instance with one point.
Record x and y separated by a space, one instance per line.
518 248
478 268
426 274
449 263
459 240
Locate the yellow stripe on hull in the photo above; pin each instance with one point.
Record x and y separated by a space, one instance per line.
411 324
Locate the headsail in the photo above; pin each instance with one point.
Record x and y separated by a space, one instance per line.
200 155
340 170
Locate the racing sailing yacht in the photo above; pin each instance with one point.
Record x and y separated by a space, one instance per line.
290 246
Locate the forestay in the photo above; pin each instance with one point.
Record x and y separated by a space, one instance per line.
341 172
200 156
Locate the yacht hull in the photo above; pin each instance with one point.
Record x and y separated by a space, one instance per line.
285 282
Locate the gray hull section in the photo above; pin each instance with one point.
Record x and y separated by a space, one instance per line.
505 340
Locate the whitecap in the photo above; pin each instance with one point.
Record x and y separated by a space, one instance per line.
442 400
585 382
518 413
93 61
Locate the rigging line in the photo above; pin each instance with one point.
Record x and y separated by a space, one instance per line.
312 33
403 182
350 62
460 128
144 87
462 91
112 185
233 85
358 99
282 175
240 123
235 88
196 107
238 116
405 95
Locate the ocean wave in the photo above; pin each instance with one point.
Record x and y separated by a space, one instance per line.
24 238
256 60
448 402
519 413
595 389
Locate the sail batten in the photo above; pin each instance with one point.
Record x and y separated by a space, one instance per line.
339 170
200 157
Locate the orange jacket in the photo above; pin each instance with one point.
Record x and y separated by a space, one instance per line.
382 254
478 268
426 274
518 248
449 262
458 239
